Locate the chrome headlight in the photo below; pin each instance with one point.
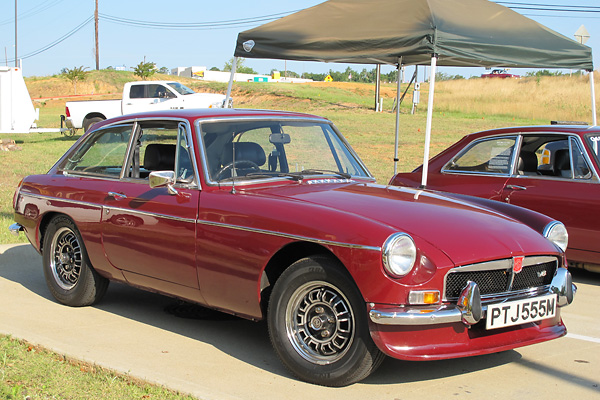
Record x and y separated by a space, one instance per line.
557 234
399 254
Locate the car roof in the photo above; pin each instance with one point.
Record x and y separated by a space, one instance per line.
209 113
572 129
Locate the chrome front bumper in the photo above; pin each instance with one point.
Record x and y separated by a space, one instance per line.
15 229
468 309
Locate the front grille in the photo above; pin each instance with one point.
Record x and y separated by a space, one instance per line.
499 277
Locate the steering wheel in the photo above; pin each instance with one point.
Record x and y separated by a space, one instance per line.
236 164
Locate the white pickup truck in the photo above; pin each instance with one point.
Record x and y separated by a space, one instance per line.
139 97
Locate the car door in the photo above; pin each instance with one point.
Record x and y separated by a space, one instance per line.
481 169
149 233
569 192
149 97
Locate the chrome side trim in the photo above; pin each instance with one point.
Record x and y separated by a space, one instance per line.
15 229
149 214
218 224
290 236
70 201
469 312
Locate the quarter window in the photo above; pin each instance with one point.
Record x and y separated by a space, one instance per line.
102 153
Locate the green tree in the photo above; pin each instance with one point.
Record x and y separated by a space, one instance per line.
240 67
145 70
75 75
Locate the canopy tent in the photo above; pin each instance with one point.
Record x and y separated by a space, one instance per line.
415 32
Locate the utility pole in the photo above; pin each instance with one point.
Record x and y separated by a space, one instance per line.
96 37
16 59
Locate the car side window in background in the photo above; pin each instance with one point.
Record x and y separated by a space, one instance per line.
581 169
102 153
490 156
136 91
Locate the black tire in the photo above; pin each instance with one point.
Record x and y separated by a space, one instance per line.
67 269
318 324
87 123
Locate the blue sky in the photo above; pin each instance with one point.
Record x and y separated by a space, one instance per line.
42 22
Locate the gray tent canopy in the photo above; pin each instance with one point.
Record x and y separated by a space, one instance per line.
459 32
476 33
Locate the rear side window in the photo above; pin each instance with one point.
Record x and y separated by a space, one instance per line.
489 156
103 153
136 91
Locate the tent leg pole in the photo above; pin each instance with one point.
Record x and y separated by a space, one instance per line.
429 118
228 103
377 87
594 121
397 117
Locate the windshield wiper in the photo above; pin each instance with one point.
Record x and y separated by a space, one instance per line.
325 171
296 177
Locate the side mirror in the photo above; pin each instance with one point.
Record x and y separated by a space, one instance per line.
161 179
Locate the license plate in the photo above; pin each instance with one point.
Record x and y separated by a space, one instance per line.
520 311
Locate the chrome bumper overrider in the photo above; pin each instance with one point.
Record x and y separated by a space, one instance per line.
468 309
15 229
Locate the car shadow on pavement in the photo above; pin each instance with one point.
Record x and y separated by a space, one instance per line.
583 276
241 339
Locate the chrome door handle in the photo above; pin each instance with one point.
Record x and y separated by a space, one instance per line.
516 187
117 196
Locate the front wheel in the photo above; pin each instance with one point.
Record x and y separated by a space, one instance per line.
67 269
318 324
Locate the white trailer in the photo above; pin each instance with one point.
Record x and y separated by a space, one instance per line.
17 114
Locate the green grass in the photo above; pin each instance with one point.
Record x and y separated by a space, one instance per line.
31 372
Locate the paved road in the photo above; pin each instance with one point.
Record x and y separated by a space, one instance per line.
221 358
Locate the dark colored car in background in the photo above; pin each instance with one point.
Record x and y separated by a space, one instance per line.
271 215
550 169
500 73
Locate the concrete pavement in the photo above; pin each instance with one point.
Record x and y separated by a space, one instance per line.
230 358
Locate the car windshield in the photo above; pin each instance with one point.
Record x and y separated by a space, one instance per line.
181 89
593 141
276 149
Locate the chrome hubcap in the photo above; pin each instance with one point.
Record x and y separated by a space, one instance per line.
319 323
66 258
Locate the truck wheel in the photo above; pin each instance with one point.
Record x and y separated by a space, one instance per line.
318 324
87 123
67 269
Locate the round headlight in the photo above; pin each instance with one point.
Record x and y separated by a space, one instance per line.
557 234
399 254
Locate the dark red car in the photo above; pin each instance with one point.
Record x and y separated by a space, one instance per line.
271 215
549 169
500 73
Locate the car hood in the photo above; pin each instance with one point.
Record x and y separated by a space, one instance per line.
465 232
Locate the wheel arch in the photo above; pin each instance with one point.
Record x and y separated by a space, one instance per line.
44 222
283 259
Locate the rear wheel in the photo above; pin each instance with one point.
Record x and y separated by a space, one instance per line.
88 123
67 269
318 324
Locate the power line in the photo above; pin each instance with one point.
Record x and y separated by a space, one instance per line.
57 41
225 24
41 7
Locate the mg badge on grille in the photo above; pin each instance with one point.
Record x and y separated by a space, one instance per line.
517 264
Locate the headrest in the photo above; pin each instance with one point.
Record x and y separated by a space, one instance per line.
527 161
159 157
561 160
244 151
